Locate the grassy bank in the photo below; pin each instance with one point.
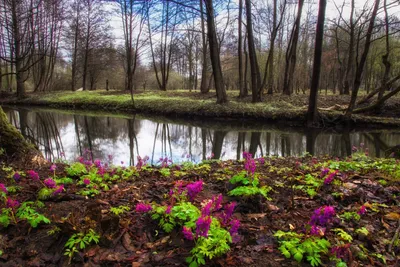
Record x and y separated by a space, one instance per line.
184 104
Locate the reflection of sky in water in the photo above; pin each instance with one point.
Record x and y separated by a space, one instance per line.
111 136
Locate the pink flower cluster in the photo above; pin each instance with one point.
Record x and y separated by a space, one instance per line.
3 188
249 163
329 179
50 183
58 190
141 162
322 216
362 210
12 203
193 189
165 162
33 175
203 226
143 208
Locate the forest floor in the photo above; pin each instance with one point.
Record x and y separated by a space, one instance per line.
178 103
343 212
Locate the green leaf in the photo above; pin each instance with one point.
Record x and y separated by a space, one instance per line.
298 257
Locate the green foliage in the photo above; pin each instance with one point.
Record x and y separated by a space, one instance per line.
45 193
119 210
362 231
76 169
129 173
166 172
311 184
64 180
297 246
5 217
27 212
80 241
13 189
350 215
343 234
250 186
215 245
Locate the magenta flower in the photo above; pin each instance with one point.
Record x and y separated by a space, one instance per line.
235 224
12 203
53 167
217 202
58 190
203 225
330 178
193 189
168 210
16 176
50 183
33 175
206 210
3 188
141 162
86 181
261 161
354 149
362 210
187 233
143 208
322 215
97 163
324 172
249 163
317 231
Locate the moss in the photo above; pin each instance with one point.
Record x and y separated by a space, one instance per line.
12 141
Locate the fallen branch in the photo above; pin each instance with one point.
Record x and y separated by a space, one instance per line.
370 95
377 103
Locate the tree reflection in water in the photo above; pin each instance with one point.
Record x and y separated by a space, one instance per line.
57 133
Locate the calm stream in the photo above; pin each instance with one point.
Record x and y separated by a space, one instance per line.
60 134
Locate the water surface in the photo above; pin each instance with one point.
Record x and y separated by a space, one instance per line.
68 135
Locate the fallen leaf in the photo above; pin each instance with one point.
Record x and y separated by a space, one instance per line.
393 216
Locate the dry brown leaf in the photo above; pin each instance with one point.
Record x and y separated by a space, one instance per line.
393 216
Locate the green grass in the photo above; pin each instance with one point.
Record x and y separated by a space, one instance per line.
180 103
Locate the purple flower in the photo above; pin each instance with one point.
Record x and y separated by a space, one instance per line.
3 188
203 225
261 161
235 224
33 175
12 203
97 163
317 231
330 178
193 189
16 176
168 210
324 172
143 208
141 162
58 190
187 233
322 215
206 210
50 183
354 149
228 212
86 181
249 163
53 167
217 202
362 210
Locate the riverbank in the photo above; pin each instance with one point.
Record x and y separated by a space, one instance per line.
91 213
183 104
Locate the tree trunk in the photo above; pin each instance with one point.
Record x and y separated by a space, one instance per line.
214 54
243 93
292 53
348 78
312 105
204 88
16 148
254 68
360 67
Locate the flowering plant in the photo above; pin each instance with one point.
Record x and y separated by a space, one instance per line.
210 227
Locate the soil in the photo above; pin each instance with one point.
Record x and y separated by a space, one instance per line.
134 239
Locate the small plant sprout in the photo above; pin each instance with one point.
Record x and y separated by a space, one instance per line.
119 210
80 241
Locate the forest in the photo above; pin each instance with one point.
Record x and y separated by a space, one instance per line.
199 133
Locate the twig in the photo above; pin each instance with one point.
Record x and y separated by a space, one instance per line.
396 236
